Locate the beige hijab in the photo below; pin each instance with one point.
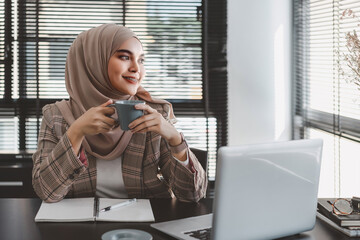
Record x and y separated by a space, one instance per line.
88 85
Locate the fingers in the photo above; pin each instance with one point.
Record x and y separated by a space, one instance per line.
106 103
146 126
105 127
107 110
144 118
102 116
146 108
149 122
109 121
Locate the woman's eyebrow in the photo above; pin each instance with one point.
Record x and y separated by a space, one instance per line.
127 51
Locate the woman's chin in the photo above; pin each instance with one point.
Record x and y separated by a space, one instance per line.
132 92
128 90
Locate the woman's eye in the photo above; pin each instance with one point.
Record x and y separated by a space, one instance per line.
142 61
124 57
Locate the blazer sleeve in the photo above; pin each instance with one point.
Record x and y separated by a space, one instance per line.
55 165
186 185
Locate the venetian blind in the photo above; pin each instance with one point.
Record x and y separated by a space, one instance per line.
326 100
174 35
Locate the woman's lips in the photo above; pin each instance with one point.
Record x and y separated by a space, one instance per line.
130 80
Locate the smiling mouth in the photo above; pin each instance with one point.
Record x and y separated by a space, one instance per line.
130 80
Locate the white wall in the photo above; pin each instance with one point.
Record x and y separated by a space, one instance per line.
259 61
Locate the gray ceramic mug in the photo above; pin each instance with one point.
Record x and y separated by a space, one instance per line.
126 112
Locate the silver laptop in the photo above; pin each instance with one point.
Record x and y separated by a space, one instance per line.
262 191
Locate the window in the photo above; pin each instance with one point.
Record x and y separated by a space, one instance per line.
326 102
184 42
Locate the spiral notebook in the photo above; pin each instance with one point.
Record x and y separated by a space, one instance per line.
87 209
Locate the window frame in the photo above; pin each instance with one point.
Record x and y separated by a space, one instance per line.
213 103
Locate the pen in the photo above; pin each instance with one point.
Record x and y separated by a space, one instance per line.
126 203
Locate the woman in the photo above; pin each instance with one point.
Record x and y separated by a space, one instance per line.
81 150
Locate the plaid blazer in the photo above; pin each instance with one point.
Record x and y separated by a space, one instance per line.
147 172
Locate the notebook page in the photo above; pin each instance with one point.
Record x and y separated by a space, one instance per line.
67 210
140 211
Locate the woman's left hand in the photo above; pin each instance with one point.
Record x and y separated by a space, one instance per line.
153 121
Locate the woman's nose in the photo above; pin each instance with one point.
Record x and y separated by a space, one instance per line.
134 67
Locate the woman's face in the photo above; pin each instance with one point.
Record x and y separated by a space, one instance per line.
126 67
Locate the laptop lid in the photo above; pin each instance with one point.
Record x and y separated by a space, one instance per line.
266 191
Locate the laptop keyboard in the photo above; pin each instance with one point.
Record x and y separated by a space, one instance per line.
202 234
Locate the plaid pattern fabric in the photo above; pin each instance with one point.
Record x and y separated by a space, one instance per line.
149 169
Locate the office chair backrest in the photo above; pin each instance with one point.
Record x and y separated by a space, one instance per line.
202 156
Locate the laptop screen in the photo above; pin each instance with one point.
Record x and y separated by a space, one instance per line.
266 190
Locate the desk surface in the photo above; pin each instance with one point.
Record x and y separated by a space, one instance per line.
17 222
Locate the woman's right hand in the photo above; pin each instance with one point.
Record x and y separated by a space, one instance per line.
94 121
